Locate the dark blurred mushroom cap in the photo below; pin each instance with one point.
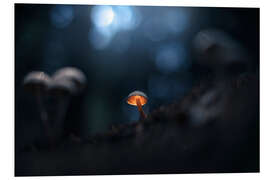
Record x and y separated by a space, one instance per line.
62 87
217 48
73 74
36 81
131 99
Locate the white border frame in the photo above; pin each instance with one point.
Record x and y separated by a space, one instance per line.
7 84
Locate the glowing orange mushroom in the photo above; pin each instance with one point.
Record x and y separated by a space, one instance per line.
138 98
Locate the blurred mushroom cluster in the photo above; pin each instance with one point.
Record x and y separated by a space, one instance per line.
221 53
60 88
229 70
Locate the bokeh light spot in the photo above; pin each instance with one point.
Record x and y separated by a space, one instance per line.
170 58
99 40
61 16
109 20
102 16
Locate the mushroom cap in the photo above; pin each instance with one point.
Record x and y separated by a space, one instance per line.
131 99
215 47
36 81
62 87
73 74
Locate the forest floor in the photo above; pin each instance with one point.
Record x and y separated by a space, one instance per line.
214 128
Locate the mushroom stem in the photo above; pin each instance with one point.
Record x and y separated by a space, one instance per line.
139 105
44 118
63 104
